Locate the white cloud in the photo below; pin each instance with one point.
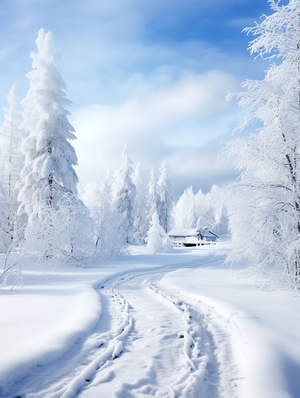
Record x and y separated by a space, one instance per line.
160 120
138 72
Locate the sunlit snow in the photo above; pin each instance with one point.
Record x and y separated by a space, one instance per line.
178 324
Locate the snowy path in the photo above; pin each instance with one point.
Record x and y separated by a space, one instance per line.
147 343
175 325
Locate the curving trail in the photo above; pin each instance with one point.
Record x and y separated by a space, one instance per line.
148 343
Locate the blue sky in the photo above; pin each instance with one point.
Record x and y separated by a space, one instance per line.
152 74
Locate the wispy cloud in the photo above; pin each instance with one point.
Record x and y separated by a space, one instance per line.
159 121
150 73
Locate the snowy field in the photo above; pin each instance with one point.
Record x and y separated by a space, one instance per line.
170 325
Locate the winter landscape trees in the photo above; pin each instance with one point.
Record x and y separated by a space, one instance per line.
39 182
156 321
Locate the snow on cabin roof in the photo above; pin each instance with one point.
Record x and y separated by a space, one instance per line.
184 232
209 233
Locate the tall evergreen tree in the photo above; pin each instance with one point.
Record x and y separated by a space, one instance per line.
48 176
140 224
152 198
123 198
165 201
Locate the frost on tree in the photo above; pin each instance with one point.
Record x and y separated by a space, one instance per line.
165 201
140 224
12 157
123 199
265 204
48 176
152 198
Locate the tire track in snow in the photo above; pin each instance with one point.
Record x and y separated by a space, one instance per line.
197 352
196 373
206 349
169 344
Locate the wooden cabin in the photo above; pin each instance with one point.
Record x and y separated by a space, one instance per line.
189 237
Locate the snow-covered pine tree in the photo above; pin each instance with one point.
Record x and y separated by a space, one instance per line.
48 176
165 201
157 239
265 204
123 198
12 157
152 198
140 224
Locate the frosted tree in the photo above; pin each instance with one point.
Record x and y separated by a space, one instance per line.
12 157
140 224
157 239
165 201
152 198
184 210
123 198
48 176
265 204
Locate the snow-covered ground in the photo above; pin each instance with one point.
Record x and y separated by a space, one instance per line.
167 325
